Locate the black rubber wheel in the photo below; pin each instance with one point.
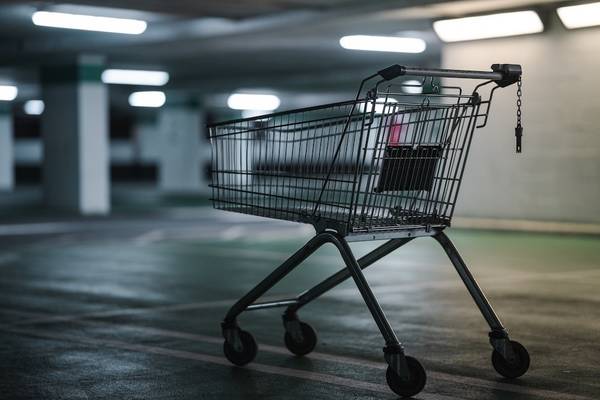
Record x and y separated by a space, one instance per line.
246 355
414 384
309 340
515 369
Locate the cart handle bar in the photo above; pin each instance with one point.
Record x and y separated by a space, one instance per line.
502 74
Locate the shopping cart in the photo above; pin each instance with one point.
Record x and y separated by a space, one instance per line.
386 165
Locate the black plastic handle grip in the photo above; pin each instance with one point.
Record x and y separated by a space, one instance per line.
511 73
502 74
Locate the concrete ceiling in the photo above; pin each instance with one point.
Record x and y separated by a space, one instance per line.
213 46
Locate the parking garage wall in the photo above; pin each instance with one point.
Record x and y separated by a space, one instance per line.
556 177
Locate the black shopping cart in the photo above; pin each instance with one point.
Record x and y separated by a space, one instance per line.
386 165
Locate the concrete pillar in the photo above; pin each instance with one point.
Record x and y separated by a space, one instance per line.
76 138
7 148
146 140
183 149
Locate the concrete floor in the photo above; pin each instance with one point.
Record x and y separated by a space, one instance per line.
130 308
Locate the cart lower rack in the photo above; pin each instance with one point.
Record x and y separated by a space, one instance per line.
386 165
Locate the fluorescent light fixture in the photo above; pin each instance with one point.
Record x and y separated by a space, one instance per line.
580 16
383 43
33 107
88 22
8 92
147 99
412 87
488 26
249 101
135 77
381 104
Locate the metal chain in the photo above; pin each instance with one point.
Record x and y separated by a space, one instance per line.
519 95
519 127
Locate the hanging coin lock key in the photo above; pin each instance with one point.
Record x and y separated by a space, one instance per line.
519 127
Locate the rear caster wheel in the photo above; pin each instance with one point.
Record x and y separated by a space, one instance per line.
243 355
415 382
306 345
515 369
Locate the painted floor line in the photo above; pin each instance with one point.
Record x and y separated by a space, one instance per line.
137 310
37 318
506 387
41 228
264 368
124 312
487 384
339 296
476 382
22 314
232 233
149 237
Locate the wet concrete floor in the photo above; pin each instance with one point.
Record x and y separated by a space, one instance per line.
130 307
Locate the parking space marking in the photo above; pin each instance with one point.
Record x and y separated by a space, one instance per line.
123 311
360 362
188 355
49 318
477 382
41 228
152 236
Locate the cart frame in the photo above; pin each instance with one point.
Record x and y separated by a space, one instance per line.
510 358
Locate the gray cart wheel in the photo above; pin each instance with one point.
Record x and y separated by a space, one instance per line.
247 352
308 343
515 369
414 384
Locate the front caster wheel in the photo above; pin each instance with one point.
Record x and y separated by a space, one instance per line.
515 369
306 344
414 384
243 355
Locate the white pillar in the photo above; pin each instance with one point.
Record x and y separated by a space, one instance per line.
183 149
75 136
7 148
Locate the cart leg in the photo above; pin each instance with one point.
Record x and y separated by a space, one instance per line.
239 345
484 306
275 276
300 338
344 274
393 350
512 352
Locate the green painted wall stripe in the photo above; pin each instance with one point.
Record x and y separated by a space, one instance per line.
146 116
72 73
5 107
182 103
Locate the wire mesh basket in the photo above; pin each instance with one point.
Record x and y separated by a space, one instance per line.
386 161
